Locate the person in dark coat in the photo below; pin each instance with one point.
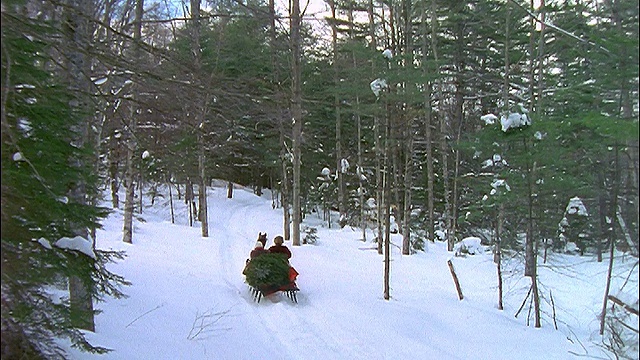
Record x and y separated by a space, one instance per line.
258 250
278 248
263 239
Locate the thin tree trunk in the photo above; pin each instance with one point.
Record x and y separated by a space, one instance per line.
539 106
200 114
531 255
387 231
359 167
202 193
140 181
173 220
377 145
286 205
113 172
131 142
443 128
387 200
614 209
458 120
427 127
127 231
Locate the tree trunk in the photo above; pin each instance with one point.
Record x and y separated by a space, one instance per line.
377 145
286 205
202 193
336 104
387 178
408 183
199 108
497 257
359 167
430 229
127 230
612 246
78 40
173 220
131 142
296 113
443 128
113 172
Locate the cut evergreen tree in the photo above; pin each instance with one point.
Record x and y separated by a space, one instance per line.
267 270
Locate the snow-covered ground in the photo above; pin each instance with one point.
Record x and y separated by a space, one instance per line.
188 298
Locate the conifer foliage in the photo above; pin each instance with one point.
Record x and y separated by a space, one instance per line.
39 167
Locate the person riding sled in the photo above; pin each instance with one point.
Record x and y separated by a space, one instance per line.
279 248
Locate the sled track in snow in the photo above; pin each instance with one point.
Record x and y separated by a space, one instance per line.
288 324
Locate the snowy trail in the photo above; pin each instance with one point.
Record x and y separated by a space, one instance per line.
241 223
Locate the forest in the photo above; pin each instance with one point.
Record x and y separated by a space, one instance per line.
513 121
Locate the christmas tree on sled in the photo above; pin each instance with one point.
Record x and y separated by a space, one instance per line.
269 271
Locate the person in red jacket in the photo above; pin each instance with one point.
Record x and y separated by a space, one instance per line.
278 248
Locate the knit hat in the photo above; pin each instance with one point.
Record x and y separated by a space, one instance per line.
278 240
259 245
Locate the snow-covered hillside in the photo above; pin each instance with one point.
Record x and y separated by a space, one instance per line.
188 299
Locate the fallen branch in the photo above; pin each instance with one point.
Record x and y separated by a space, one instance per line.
627 307
202 325
136 319
523 302
553 306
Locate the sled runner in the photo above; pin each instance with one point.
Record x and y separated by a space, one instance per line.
289 290
270 273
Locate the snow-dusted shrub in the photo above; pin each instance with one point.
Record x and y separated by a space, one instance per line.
470 245
310 235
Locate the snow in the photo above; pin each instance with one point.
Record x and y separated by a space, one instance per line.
377 85
489 119
514 120
77 243
44 242
18 157
576 207
188 298
469 245
344 166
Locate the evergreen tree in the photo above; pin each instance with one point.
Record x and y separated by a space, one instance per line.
39 167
